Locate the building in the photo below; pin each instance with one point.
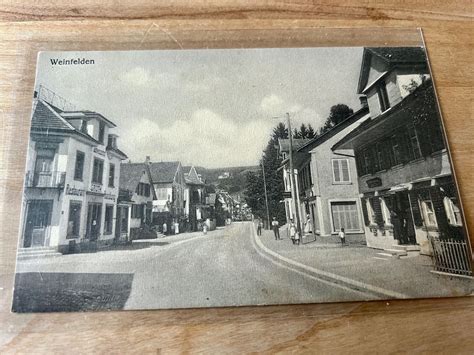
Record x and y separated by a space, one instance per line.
196 208
71 184
136 197
170 205
403 168
283 151
326 183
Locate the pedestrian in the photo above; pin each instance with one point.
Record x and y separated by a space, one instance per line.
308 226
204 228
342 235
292 231
165 228
259 226
276 228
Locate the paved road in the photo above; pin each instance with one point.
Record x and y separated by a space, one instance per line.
222 268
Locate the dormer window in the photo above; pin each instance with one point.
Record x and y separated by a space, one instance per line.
112 141
83 126
383 96
101 132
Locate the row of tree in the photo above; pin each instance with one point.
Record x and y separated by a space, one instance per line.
271 161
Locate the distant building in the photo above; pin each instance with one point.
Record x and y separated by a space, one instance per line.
404 173
71 185
196 208
170 205
224 175
136 194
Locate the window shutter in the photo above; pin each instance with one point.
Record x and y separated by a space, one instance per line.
364 211
335 167
345 170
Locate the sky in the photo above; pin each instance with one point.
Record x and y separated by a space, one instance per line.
211 108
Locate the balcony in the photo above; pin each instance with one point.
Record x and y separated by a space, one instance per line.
51 179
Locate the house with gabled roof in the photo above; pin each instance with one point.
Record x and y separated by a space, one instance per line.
170 185
196 208
72 176
135 200
404 171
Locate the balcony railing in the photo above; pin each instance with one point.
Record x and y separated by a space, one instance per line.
45 179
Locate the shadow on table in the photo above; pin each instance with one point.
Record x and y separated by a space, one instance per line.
69 292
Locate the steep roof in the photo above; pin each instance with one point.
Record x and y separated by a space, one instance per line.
44 117
130 175
284 143
334 130
192 177
164 172
392 56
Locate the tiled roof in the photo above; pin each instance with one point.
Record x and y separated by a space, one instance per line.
45 118
399 54
163 172
297 143
130 175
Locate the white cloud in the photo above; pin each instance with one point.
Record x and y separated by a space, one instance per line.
273 105
137 76
206 139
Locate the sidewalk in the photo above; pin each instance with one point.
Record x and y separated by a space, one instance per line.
410 276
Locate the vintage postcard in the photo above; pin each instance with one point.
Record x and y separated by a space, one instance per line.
231 177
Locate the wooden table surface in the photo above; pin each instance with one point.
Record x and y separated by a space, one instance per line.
430 325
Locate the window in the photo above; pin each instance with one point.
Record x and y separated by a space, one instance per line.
101 132
452 211
111 175
79 168
345 215
83 126
97 171
428 213
137 211
161 193
74 220
109 213
383 96
415 151
340 169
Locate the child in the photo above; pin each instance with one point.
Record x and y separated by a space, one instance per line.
342 235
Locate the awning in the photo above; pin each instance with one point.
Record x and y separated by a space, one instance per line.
399 188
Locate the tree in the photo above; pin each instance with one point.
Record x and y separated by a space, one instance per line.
296 133
303 131
280 131
311 133
337 114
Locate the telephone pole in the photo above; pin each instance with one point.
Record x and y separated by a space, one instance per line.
266 196
292 176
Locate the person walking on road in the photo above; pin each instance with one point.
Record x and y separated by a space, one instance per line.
259 226
292 231
342 236
276 228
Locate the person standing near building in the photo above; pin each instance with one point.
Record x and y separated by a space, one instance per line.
276 228
259 226
342 236
292 231
165 228
308 226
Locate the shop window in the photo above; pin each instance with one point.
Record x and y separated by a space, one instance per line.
109 213
79 167
340 170
345 215
453 212
74 220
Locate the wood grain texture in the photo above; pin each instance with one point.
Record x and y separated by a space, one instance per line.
437 325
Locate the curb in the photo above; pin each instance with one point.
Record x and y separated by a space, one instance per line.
378 292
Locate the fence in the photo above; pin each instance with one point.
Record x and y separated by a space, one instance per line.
452 256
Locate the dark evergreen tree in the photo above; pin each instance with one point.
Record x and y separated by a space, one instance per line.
296 133
337 114
311 133
303 131
280 131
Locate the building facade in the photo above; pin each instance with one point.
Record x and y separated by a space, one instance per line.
196 208
328 184
71 184
137 189
403 168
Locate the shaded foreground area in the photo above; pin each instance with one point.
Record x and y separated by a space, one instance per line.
66 292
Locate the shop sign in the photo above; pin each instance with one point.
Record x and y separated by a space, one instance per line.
375 182
73 191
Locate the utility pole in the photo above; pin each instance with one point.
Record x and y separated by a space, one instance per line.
266 196
292 176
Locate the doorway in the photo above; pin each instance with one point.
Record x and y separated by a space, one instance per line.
94 213
38 219
402 219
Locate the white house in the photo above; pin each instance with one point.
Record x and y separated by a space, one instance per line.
72 176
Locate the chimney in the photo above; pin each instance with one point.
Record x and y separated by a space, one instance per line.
147 159
363 101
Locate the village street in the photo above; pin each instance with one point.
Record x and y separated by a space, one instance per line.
221 268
